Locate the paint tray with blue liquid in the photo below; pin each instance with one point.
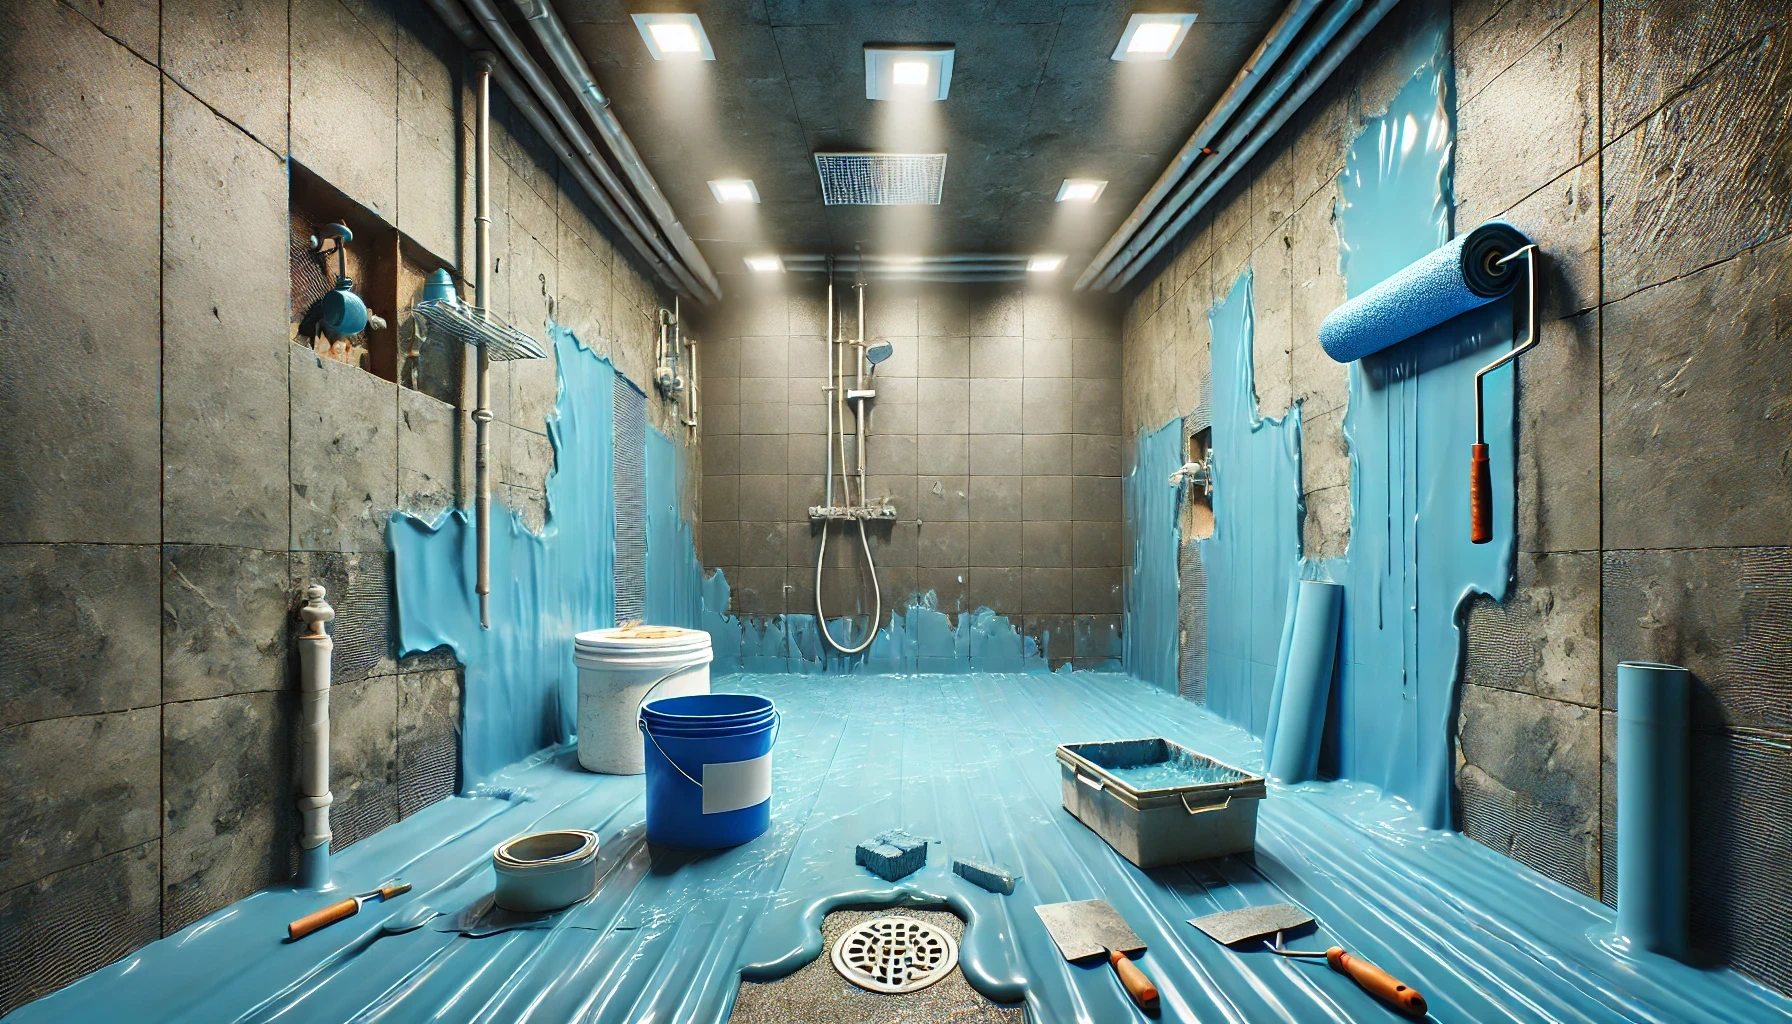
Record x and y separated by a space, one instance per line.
1158 802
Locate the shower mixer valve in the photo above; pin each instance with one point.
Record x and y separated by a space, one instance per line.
850 513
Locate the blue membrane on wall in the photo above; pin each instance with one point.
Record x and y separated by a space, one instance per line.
675 585
917 638
1411 567
520 686
1150 639
1251 558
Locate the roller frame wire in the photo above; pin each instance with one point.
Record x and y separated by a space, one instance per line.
1480 495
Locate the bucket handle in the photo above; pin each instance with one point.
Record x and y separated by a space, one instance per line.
1222 805
641 724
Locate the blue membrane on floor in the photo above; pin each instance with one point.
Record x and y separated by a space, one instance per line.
965 759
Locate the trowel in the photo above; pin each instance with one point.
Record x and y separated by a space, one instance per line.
1232 927
1091 928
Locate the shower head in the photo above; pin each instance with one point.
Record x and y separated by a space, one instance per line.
878 352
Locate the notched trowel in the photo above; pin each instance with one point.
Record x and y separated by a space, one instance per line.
1232 927
1091 928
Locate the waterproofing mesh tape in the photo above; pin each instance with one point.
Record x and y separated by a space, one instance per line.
631 503
82 920
1539 835
1741 890
1756 683
429 768
1191 614
309 280
360 815
362 630
1501 646
1201 417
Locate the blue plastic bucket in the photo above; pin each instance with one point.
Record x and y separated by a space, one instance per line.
709 769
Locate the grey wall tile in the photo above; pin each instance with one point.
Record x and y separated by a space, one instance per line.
996 455
1048 546
1096 499
1046 498
943 357
224 302
1098 544
994 588
995 498
81 629
1098 591
942 545
994 313
82 455
1046 591
345 103
227 617
363 759
942 499
995 544
763 454
428 738
942 454
104 909
997 358
344 454
764 498
1095 455
430 456
1544 639
1045 454
764 419
230 824
1095 358
762 544
1692 409
58 818
1046 405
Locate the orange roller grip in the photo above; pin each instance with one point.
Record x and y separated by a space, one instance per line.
1377 982
319 919
1139 987
1480 496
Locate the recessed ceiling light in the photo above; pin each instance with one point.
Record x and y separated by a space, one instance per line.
908 72
674 36
1044 264
734 190
1080 190
1153 36
765 264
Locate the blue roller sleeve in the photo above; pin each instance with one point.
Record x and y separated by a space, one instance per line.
1444 284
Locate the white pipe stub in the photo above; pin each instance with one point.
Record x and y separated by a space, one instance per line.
546 870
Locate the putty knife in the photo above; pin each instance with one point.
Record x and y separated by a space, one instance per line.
1090 928
1234 926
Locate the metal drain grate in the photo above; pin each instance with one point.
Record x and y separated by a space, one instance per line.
880 179
895 954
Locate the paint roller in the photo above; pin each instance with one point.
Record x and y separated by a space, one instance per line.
1471 271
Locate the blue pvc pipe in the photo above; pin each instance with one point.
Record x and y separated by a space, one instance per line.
1307 681
314 867
1653 741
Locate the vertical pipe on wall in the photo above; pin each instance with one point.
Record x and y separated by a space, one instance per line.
482 277
1653 831
314 742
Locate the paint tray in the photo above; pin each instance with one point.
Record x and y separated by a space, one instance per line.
1158 802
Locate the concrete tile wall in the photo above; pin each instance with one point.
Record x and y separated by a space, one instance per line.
995 434
1641 144
178 471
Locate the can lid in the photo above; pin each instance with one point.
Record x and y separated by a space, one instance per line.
641 637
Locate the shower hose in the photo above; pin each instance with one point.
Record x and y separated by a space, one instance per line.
837 430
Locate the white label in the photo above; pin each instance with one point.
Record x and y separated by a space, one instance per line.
732 785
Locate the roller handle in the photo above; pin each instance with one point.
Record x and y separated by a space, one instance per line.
1480 496
323 918
1377 982
1133 980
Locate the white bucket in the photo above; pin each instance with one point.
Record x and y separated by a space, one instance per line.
616 669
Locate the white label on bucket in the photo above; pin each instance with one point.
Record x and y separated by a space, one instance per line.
732 785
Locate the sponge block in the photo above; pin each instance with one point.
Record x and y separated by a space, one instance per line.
987 876
892 855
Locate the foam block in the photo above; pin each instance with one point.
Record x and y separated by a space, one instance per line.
987 876
891 855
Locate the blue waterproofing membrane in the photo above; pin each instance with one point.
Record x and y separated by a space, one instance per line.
674 576
917 638
1151 633
966 760
1411 568
520 690
1253 554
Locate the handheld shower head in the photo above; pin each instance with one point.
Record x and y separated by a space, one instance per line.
877 352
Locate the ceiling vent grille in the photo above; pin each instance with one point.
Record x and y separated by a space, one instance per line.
880 179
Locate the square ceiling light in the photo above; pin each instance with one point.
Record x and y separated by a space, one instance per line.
765 264
1044 264
908 72
734 190
1081 190
1153 36
674 36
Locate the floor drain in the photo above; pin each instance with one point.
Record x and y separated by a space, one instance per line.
895 954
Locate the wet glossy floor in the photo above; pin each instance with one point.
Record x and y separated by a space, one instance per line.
966 760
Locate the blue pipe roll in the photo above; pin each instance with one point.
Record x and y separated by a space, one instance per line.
1446 283
1653 830
1307 682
